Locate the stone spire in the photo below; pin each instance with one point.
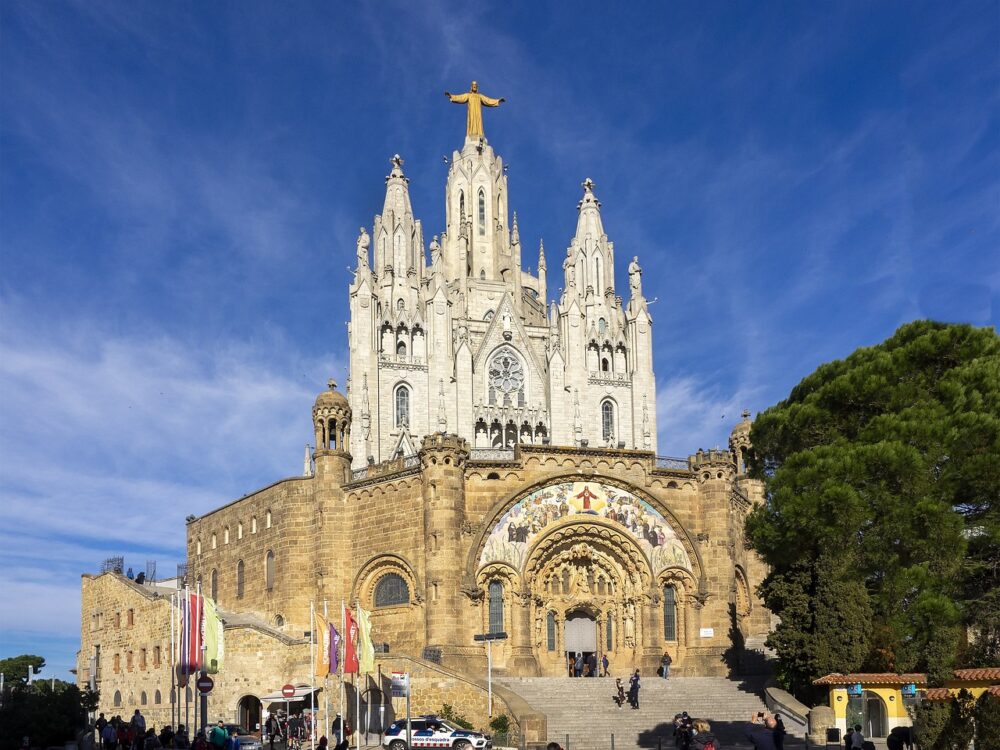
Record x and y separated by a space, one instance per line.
542 274
397 192
515 236
588 223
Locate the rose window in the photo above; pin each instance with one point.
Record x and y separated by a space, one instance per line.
506 374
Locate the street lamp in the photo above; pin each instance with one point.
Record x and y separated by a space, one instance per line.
489 638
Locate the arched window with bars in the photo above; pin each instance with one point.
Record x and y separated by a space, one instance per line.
402 400
607 420
391 590
550 631
496 607
669 613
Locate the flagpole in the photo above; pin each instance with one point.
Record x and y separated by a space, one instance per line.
343 668
187 706
357 685
173 672
326 678
312 673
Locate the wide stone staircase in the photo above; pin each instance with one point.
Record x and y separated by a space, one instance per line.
582 715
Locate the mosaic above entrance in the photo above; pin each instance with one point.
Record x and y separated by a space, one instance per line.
514 534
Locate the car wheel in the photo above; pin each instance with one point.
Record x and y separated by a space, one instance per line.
397 745
462 745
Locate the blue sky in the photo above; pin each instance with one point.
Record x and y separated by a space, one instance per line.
181 186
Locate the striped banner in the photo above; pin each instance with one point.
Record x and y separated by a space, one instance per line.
192 617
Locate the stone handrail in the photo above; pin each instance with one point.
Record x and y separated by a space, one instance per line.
671 462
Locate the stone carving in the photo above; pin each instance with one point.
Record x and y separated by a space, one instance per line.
635 277
630 625
364 241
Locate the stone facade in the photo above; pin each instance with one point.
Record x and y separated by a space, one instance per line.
466 343
509 497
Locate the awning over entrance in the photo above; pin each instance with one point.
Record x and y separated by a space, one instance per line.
301 691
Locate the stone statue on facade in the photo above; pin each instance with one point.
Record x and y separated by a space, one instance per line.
364 241
635 277
435 256
630 625
569 269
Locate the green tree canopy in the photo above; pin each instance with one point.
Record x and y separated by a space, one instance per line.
16 667
881 525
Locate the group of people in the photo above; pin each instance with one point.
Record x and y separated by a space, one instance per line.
117 734
766 731
585 665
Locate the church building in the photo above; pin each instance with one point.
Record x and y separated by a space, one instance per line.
492 468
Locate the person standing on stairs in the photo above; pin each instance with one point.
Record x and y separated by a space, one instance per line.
633 690
604 665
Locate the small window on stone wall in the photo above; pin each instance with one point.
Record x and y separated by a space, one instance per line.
225 536
128 661
130 619
156 656
118 620
550 628
197 547
269 570
118 698
391 590
279 621
669 613
142 698
253 525
142 658
117 664
240 577
215 541
239 530
496 607
267 520
157 698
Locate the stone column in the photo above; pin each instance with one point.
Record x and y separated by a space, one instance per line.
522 660
442 459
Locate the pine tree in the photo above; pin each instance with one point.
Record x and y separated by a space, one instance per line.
881 526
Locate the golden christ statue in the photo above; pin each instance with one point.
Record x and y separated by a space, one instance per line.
476 102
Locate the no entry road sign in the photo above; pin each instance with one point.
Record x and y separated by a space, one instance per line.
288 691
205 684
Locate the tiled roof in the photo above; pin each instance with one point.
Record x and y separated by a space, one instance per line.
937 694
985 673
994 690
871 678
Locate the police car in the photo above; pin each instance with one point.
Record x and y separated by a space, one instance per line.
430 731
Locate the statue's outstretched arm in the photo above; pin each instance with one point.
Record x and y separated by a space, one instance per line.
490 102
458 98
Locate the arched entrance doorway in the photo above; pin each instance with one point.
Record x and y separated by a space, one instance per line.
594 581
580 635
249 713
580 567
868 710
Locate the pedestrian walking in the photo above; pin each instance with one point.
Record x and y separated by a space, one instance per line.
592 663
604 665
665 663
619 693
857 739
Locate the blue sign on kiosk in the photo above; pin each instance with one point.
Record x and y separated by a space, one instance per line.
854 689
910 690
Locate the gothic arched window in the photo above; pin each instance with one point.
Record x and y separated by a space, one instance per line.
402 406
609 632
550 631
669 613
118 698
390 590
461 204
215 585
269 570
496 607
607 420
482 212
240 579
597 275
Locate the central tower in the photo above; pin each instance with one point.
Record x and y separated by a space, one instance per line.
465 344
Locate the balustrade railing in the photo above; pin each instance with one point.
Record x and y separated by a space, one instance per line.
491 454
670 462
